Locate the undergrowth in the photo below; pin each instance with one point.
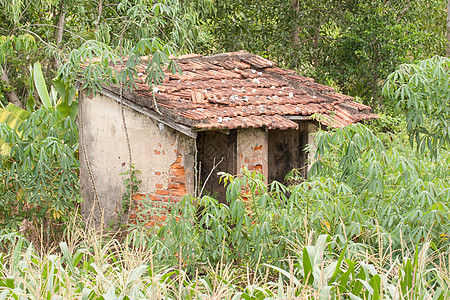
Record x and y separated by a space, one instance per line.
370 222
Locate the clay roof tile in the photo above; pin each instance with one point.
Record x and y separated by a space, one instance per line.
241 90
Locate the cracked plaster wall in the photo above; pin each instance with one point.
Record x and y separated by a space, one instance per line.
164 156
252 149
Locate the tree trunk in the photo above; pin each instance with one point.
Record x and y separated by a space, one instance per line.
99 15
375 100
448 28
316 45
59 30
60 25
295 32
295 37
11 95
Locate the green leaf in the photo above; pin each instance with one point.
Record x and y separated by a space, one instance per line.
375 283
31 103
10 282
40 85
307 267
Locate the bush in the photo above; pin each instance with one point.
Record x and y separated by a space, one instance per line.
360 189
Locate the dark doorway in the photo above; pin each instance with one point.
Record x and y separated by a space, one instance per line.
286 153
215 148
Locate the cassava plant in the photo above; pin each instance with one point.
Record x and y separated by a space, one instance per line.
422 90
372 184
373 191
40 172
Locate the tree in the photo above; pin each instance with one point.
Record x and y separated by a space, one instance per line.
58 27
349 44
448 28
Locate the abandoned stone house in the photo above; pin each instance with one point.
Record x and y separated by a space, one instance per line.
232 110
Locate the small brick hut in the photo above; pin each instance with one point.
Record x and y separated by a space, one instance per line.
233 109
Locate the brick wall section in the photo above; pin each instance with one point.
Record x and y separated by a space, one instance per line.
254 159
164 198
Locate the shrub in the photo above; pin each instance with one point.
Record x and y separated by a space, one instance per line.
40 172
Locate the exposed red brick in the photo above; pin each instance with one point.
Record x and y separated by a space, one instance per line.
162 192
247 161
173 185
150 224
163 205
162 218
258 168
179 179
176 166
138 196
180 192
163 198
258 147
157 152
177 172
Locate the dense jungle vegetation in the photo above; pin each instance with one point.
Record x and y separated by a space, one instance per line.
371 221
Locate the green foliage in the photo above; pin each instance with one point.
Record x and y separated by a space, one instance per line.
368 202
131 184
423 90
352 45
350 277
258 226
12 116
374 187
95 65
374 192
30 32
9 44
40 174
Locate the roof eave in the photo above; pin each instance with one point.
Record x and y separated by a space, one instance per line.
151 113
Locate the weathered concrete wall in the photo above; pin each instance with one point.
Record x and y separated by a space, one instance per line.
312 128
252 150
164 156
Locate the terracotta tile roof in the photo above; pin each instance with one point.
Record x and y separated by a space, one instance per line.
241 90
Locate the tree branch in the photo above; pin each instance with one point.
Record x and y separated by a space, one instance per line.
209 175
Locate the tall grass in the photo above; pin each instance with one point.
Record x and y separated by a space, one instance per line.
93 265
